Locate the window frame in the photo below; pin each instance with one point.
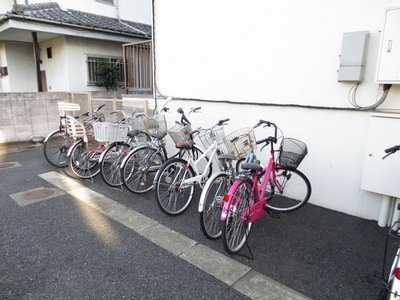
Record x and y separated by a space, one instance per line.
95 59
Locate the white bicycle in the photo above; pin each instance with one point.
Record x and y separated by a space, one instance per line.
176 179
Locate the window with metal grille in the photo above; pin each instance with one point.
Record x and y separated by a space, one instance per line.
93 66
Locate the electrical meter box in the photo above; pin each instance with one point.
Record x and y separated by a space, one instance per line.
388 63
382 175
353 56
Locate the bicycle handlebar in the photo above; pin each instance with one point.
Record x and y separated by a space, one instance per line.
221 122
391 150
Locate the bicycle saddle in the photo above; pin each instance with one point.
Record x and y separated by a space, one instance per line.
252 166
159 136
185 144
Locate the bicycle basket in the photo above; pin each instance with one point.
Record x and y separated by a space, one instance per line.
179 133
292 152
207 137
158 125
109 132
136 123
240 142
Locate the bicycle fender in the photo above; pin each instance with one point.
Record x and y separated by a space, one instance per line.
206 187
50 134
228 199
73 147
134 149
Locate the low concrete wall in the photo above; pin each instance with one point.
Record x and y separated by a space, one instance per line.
23 115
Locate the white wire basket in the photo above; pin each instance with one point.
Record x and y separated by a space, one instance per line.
109 132
180 133
136 123
240 142
207 137
158 125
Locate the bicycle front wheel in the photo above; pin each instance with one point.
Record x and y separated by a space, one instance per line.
290 191
173 196
234 230
111 162
212 197
56 147
83 163
139 169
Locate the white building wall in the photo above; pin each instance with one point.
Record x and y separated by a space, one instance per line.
21 68
283 53
77 50
56 66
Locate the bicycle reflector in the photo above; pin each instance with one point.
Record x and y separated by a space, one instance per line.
226 198
397 273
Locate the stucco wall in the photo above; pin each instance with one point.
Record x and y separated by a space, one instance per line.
286 54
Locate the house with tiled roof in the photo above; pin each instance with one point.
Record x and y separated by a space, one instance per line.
57 46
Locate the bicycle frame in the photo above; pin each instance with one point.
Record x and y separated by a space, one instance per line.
231 173
195 164
258 200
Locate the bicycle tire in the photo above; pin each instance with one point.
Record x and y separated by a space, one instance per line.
171 197
296 190
56 147
210 213
111 161
139 169
234 231
82 162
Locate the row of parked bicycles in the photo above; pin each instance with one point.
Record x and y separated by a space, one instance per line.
236 188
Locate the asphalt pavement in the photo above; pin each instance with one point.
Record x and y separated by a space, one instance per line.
67 238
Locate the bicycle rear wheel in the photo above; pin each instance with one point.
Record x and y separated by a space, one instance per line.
172 196
296 190
83 163
56 147
234 231
210 216
139 169
111 162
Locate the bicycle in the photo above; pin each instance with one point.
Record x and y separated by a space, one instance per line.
111 158
241 145
57 142
176 179
139 167
391 284
278 187
83 156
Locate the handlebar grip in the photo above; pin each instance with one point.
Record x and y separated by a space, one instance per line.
261 141
220 122
100 107
392 149
197 108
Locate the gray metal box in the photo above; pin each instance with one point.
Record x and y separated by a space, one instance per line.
353 56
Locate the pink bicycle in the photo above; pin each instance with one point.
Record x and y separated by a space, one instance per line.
279 187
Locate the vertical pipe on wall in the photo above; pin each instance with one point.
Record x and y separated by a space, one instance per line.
384 212
37 61
396 213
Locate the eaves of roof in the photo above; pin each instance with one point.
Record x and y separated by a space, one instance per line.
50 13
